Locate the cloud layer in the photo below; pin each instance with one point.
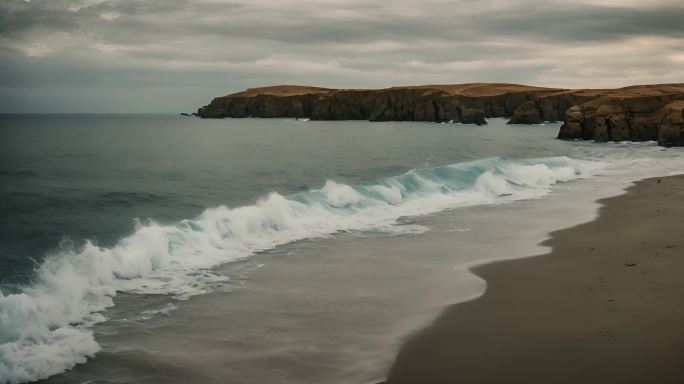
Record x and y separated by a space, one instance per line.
152 56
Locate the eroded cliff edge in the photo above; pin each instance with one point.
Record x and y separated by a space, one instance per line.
638 113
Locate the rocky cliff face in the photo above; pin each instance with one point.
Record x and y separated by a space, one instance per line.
671 128
527 113
635 114
466 103
632 113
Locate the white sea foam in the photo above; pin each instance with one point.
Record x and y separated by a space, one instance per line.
46 328
165 310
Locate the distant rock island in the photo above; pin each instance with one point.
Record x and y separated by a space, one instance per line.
636 113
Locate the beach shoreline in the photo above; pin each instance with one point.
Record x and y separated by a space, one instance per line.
603 306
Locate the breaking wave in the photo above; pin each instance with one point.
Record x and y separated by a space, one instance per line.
45 328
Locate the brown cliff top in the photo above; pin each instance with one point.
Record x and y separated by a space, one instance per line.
481 89
476 90
282 90
634 90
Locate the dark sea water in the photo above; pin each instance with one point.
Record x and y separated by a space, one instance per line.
174 249
88 176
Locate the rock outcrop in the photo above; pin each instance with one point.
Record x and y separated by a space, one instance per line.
637 113
471 116
632 113
671 127
526 113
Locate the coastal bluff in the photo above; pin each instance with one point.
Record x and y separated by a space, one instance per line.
635 113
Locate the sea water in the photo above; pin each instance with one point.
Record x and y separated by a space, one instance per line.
159 248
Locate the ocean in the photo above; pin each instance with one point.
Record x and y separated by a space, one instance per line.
171 249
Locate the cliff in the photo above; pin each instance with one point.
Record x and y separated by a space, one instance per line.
648 112
639 113
467 103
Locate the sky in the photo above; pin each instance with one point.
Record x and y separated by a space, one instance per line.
157 56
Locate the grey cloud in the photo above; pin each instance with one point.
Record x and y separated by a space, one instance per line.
585 22
204 48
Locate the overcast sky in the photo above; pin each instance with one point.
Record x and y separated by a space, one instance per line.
171 56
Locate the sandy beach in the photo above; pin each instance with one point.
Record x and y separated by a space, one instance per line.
604 307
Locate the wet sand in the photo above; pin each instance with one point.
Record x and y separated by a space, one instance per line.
606 306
